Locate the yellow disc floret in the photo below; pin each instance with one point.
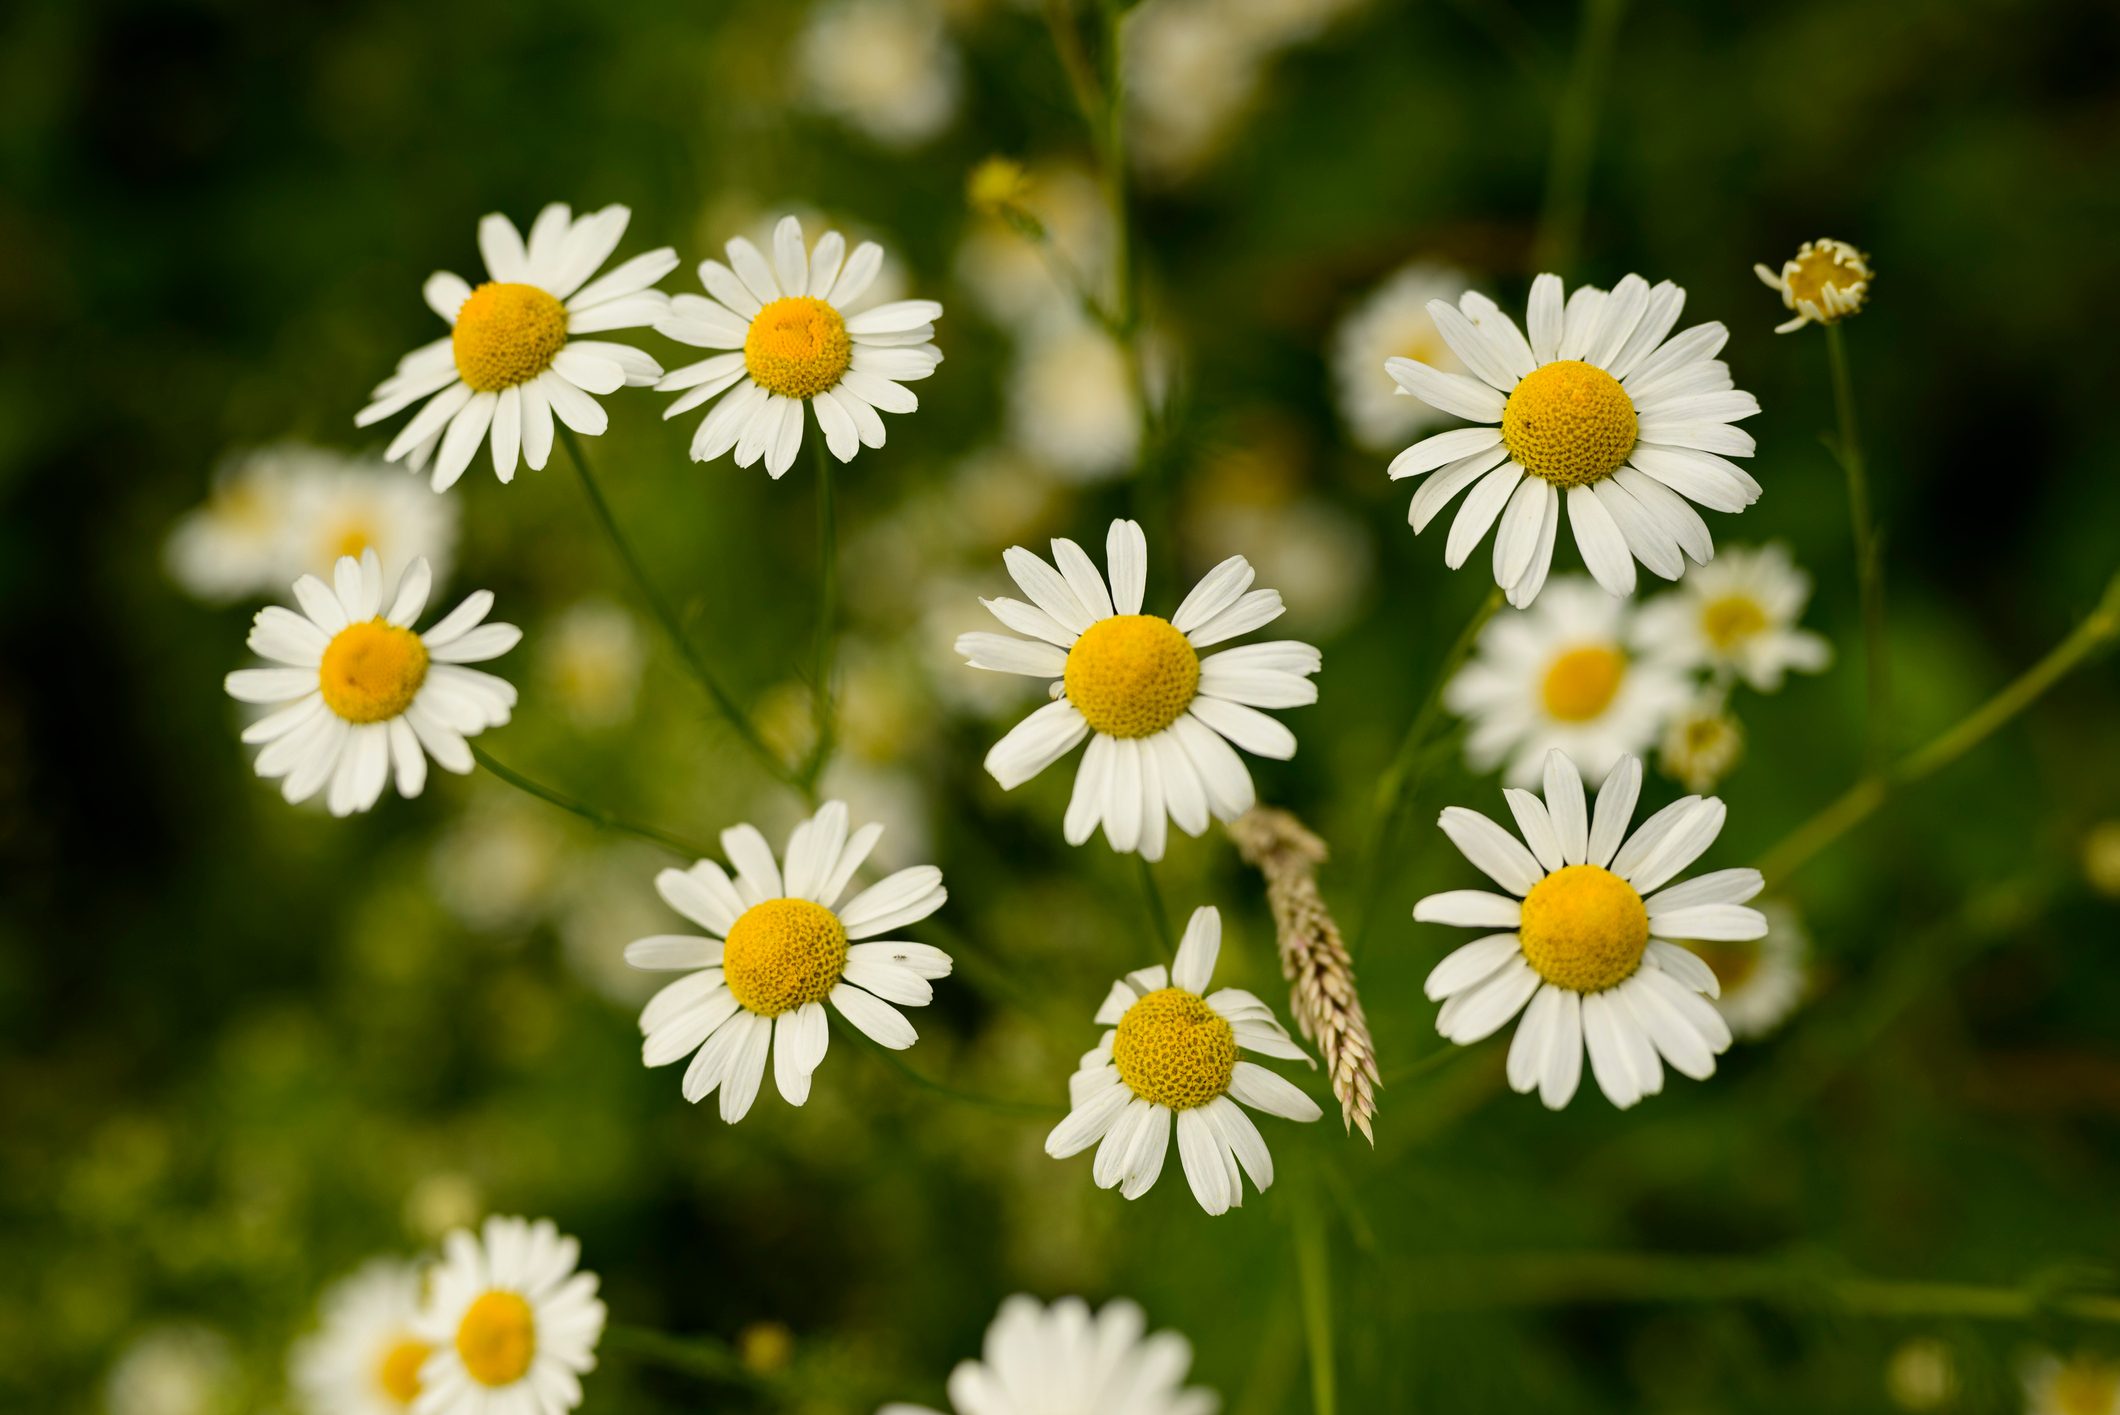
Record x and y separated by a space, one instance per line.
1730 619
797 347
784 953
1584 928
507 333
1828 280
1131 675
1581 683
1569 422
497 1338
372 671
1174 1050
351 538
398 1373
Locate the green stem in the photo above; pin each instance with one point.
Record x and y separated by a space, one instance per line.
1869 560
1859 801
1312 1278
824 725
942 1088
1443 1056
705 1357
1574 142
1158 916
737 718
595 815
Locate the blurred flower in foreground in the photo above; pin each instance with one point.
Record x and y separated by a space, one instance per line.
2101 858
1587 900
1702 743
1762 979
2082 1384
1159 718
512 1323
792 342
1171 1051
1738 615
365 1358
514 358
1921 1374
362 691
1567 673
176 1369
1072 402
885 67
1392 322
1598 403
591 657
1825 281
1066 1360
779 949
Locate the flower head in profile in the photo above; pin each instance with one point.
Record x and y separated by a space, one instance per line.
1601 406
1160 719
1824 282
792 337
1067 1360
1739 617
1169 1060
778 947
516 355
359 695
365 1358
512 1324
1583 937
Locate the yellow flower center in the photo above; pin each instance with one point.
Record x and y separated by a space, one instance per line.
995 185
1584 928
497 1338
1131 675
1827 265
1175 1050
1569 422
372 671
784 953
1732 963
1581 683
349 539
797 347
1731 619
507 334
398 1373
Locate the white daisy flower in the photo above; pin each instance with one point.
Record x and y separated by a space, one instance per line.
792 339
360 692
1702 743
1569 673
885 67
1391 322
1067 1360
1597 403
1588 914
513 1325
2083 1384
1824 282
778 947
347 505
1159 718
235 543
1072 402
1739 616
1171 1050
1763 979
365 1358
515 356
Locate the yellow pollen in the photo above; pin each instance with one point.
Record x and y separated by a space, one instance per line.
783 953
1569 422
497 1338
507 334
398 1373
1731 619
1174 1050
372 671
1581 683
797 347
1584 928
1131 675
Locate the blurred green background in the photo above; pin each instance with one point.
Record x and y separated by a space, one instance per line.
246 1046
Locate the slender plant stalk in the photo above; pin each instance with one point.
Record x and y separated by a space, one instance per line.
1861 800
1574 143
940 1088
1313 1280
1869 558
823 722
595 815
1158 916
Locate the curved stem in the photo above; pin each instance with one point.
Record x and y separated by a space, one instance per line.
1869 562
595 815
824 725
1158 916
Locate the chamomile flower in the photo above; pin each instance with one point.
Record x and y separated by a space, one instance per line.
1702 743
1763 979
1160 719
1569 673
885 67
235 543
366 1358
1585 924
515 356
1392 322
2083 1384
1067 1360
792 339
1170 1060
778 947
346 505
358 692
1738 616
1824 282
513 1324
1072 403
1599 405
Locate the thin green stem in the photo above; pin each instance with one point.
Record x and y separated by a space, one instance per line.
941 1088
595 815
1158 916
823 722
1441 1058
1313 1280
1574 141
1859 801
738 719
705 1357
1869 559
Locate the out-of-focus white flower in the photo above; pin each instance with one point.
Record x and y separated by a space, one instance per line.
884 67
364 1359
1921 1374
590 655
1191 76
1066 1360
2082 1384
1392 322
180 1368
235 543
512 1321
1763 979
496 866
1008 277
1072 402
1737 615
603 901
1702 744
